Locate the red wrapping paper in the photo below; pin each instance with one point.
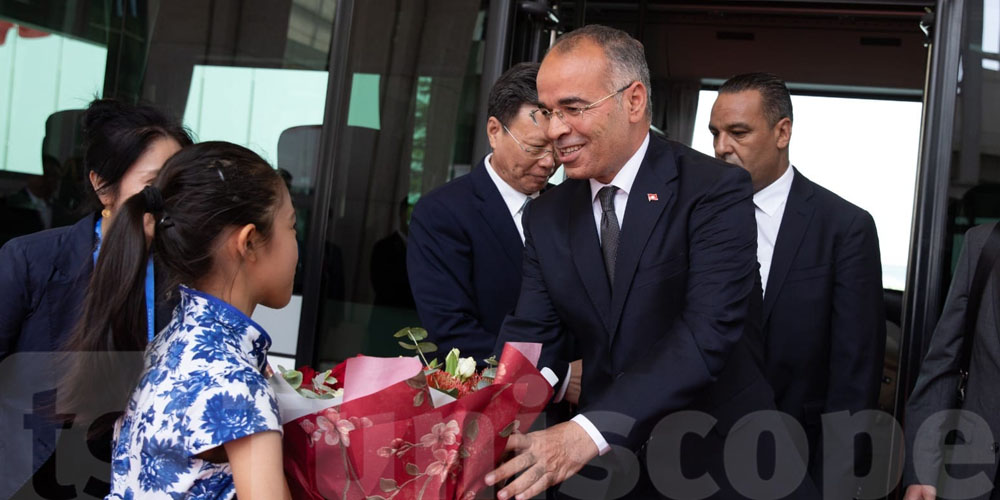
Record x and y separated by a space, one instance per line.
393 443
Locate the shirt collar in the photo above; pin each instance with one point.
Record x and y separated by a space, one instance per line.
252 338
513 198
626 176
772 197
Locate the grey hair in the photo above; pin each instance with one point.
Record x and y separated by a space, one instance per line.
625 54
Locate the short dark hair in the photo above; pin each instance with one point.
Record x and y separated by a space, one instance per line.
776 100
626 55
514 88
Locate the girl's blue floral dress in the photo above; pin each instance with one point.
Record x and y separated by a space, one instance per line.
202 386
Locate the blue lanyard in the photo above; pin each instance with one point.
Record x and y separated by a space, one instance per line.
150 290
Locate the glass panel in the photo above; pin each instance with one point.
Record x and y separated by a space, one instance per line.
425 66
974 191
883 151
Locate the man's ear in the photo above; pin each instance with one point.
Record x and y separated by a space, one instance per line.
247 241
784 132
494 129
635 96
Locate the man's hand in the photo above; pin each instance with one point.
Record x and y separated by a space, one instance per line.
573 390
547 457
920 492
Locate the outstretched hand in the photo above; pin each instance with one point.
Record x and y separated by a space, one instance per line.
546 457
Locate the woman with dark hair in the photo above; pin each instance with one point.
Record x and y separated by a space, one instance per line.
201 421
43 275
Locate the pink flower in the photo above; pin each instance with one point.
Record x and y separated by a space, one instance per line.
441 434
334 432
444 461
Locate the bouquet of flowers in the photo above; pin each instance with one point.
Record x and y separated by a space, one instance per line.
405 428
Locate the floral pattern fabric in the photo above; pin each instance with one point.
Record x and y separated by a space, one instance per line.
202 386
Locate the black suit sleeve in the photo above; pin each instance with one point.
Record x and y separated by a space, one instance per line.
694 349
439 262
937 384
858 320
13 297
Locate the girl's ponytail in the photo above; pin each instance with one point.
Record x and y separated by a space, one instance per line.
105 348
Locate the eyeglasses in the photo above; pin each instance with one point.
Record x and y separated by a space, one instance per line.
534 152
571 112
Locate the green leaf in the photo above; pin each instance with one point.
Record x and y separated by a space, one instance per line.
471 430
293 377
404 345
434 363
417 333
484 383
491 361
510 429
388 485
490 372
451 392
405 332
427 347
412 469
451 362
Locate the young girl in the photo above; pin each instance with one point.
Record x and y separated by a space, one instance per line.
201 421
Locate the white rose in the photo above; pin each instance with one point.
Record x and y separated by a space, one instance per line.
466 368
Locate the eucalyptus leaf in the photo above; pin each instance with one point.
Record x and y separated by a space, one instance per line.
404 345
418 333
405 332
418 399
427 347
412 469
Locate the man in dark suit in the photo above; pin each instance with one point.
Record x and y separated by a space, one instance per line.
823 317
645 256
465 244
933 467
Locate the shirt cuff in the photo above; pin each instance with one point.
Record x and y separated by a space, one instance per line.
565 385
602 445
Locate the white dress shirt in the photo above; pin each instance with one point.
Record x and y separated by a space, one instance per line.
623 181
513 198
769 208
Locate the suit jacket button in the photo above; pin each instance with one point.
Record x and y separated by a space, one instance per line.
995 447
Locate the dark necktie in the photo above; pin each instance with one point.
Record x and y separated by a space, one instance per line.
609 229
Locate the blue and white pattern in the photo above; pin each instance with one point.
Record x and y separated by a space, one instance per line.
202 386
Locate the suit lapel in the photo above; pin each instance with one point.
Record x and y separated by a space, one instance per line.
587 251
798 213
495 214
641 214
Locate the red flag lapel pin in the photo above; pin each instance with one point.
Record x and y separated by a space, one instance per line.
652 197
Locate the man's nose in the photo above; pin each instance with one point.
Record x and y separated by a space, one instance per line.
556 128
722 145
548 161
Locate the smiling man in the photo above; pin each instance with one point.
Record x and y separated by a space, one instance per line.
464 251
645 257
823 316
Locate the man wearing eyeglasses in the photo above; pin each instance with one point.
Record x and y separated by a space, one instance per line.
646 257
466 240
